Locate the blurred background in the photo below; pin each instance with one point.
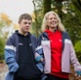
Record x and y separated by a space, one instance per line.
68 10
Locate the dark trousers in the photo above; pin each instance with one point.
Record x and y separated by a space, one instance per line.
20 78
52 77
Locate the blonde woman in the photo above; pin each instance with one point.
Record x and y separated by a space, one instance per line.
55 42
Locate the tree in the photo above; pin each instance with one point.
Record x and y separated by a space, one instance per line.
77 5
4 22
46 5
36 21
37 17
72 27
69 12
2 43
59 7
78 49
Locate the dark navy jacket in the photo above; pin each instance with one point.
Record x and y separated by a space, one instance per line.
11 54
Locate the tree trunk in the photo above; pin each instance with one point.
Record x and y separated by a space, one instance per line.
36 21
59 7
46 5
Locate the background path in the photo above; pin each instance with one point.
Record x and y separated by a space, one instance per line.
4 69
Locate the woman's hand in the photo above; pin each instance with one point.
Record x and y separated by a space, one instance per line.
78 75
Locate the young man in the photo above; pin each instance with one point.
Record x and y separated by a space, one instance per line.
19 52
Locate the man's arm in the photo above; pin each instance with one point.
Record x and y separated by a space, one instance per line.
9 53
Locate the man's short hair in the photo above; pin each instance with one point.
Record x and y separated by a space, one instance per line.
24 16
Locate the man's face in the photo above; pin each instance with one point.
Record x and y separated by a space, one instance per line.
25 25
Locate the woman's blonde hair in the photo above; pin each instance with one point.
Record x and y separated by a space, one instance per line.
44 23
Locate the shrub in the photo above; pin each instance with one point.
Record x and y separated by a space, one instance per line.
2 43
78 49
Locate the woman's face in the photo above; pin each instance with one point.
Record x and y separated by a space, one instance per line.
52 21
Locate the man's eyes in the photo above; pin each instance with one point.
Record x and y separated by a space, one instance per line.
27 23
